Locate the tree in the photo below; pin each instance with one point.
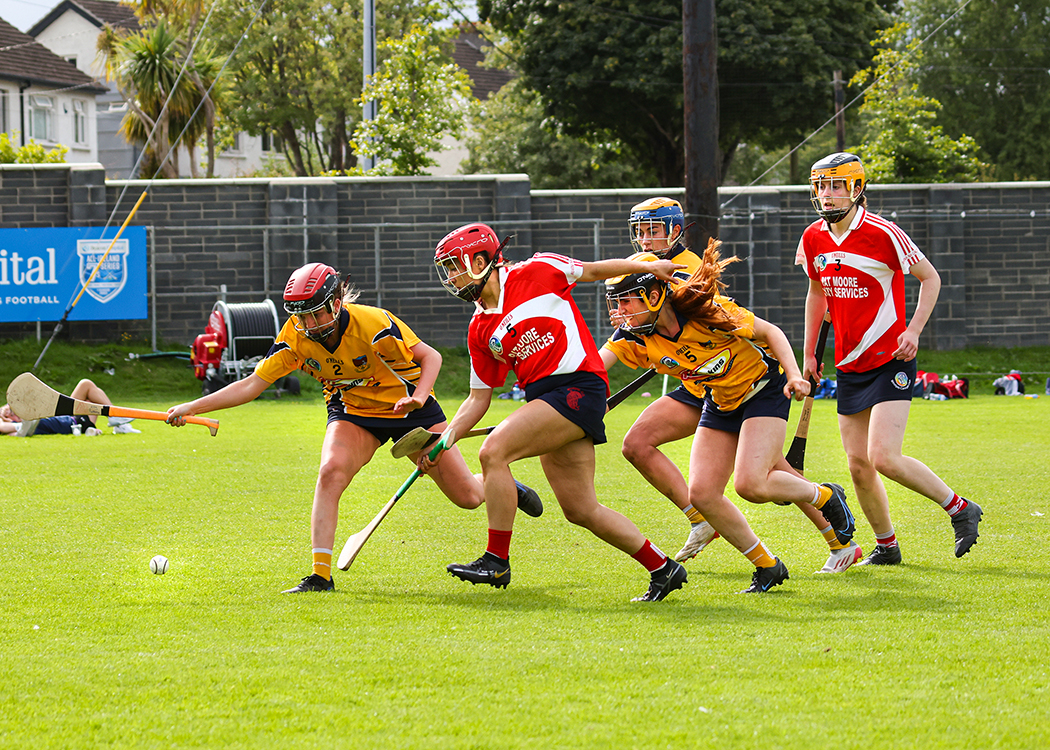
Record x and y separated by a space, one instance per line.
421 96
904 144
512 135
186 14
145 66
988 67
299 71
617 68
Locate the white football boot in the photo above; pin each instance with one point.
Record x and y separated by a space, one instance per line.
841 559
701 535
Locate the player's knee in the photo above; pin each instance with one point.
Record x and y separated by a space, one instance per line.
861 470
333 474
467 497
578 516
491 456
702 501
888 464
635 447
751 487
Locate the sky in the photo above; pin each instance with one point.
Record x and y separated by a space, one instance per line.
22 14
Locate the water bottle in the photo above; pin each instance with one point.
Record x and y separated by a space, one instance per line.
76 429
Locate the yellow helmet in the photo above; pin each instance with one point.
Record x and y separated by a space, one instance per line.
840 166
638 285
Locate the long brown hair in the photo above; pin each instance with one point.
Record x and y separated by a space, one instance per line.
695 298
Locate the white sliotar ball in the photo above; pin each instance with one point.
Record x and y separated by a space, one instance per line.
159 565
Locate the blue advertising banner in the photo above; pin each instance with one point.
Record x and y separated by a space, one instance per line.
42 271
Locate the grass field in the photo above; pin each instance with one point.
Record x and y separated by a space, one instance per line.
98 652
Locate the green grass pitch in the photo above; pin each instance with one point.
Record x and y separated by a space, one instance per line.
98 652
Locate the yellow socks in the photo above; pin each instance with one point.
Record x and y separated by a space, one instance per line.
693 515
760 557
831 539
323 563
821 495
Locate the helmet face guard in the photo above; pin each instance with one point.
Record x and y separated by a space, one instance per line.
841 169
454 259
657 212
311 290
639 286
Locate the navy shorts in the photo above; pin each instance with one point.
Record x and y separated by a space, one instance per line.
61 425
769 401
892 381
682 395
393 428
580 397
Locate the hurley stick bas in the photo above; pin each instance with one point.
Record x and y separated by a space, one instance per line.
357 541
32 399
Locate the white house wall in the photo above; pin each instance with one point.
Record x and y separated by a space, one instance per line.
72 35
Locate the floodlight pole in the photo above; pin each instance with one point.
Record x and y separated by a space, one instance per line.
369 60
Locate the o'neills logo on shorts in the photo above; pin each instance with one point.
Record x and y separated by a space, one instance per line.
573 398
901 381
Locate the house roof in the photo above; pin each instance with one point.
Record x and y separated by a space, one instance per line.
468 54
25 60
97 12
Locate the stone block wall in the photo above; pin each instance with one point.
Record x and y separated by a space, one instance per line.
989 242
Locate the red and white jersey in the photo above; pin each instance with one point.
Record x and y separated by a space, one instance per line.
862 274
536 330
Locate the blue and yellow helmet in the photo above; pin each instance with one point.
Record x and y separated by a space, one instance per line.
665 212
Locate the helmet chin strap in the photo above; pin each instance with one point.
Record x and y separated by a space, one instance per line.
472 292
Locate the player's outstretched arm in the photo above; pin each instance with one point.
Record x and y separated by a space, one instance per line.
244 390
600 270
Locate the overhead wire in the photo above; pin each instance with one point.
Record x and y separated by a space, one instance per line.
172 150
849 104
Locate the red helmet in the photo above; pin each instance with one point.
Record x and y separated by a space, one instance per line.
310 290
455 255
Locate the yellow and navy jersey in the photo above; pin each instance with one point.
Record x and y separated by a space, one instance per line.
723 365
370 369
687 258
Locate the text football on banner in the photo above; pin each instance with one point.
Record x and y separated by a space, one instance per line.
42 271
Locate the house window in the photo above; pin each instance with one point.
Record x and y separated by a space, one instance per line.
5 117
272 142
79 122
41 117
72 60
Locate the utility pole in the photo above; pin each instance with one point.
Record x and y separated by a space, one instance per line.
700 74
369 64
840 113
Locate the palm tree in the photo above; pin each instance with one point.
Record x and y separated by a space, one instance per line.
145 66
202 71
